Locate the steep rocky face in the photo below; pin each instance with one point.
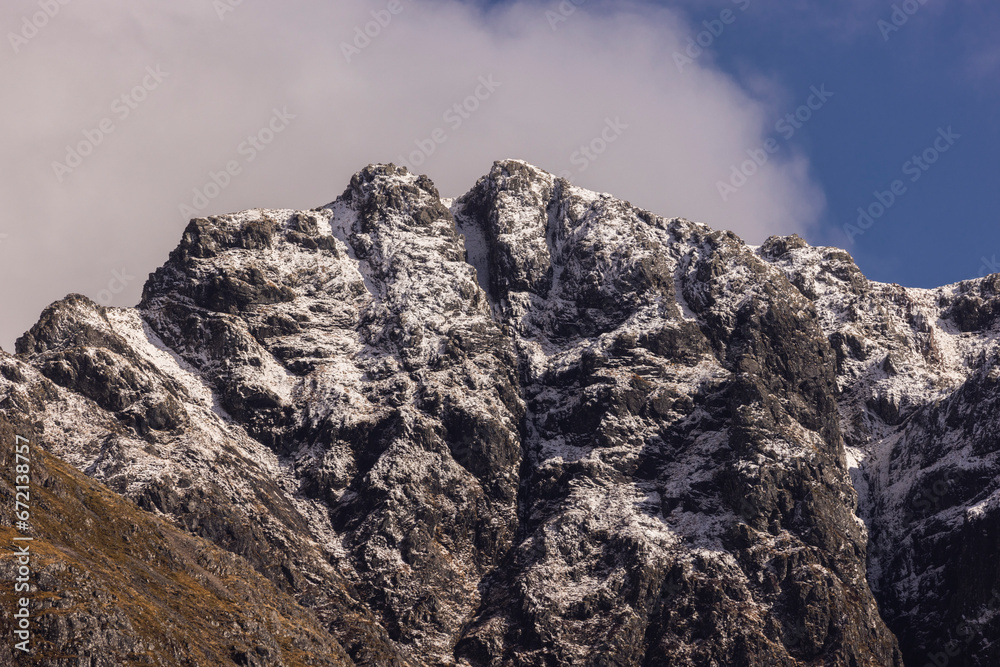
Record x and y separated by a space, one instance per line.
684 466
918 372
112 400
538 426
355 342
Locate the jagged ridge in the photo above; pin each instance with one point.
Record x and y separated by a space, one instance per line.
537 425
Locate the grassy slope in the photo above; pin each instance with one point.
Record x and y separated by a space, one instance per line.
123 587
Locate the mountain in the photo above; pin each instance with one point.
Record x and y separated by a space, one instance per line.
119 586
534 425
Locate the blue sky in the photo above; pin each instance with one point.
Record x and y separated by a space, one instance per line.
940 69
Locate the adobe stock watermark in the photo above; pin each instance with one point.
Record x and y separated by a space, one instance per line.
915 168
365 34
22 542
787 126
223 7
588 153
930 499
562 12
706 38
120 280
987 268
899 17
455 116
248 150
33 24
966 634
121 108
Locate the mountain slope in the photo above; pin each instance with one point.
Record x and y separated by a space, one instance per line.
918 372
115 586
536 425
682 422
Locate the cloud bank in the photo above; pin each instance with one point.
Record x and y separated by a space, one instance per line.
125 119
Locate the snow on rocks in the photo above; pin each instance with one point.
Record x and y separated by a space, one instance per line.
537 425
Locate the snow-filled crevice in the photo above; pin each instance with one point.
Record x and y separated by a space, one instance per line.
342 219
477 251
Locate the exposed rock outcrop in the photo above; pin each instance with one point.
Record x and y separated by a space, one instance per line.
539 426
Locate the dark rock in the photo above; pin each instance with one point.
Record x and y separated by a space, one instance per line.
619 440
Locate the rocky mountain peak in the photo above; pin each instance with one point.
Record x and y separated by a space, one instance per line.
539 425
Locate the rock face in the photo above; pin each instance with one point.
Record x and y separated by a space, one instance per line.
918 371
539 426
684 471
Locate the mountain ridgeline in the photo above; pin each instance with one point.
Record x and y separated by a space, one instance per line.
533 425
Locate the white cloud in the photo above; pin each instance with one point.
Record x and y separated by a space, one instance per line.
120 207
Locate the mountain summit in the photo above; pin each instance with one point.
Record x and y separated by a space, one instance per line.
535 425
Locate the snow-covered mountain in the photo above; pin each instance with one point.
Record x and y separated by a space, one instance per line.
533 426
